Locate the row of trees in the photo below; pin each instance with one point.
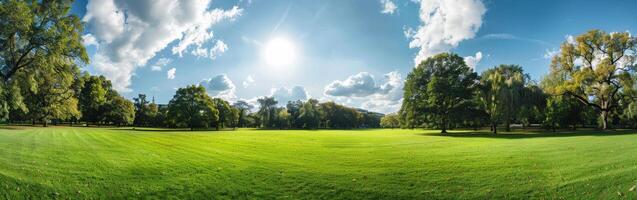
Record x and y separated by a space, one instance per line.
591 82
192 107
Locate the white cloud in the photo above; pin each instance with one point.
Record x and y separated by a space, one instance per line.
360 85
283 94
388 7
162 62
248 81
129 33
220 86
89 40
218 49
363 91
170 74
445 23
473 61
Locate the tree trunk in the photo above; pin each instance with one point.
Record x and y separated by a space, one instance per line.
45 123
508 126
494 128
444 126
605 119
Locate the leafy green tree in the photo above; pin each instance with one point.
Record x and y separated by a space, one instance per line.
390 121
192 107
30 33
142 110
501 90
598 70
439 87
120 111
267 111
48 96
92 98
310 114
225 112
294 109
283 119
244 110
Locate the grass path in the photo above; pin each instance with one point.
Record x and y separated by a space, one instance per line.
62 162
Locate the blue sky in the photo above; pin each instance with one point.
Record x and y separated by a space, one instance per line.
352 52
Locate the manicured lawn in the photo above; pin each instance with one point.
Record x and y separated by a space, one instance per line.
62 162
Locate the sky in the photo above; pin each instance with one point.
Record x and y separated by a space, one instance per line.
353 52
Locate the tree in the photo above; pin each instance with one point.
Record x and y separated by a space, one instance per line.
267 111
142 110
120 111
244 109
310 114
192 107
439 87
390 121
31 32
47 92
92 98
283 119
225 112
501 89
294 109
598 69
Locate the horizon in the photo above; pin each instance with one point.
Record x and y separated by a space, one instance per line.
352 53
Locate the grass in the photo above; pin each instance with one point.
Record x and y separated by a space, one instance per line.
101 163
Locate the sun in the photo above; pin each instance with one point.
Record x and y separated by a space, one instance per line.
279 52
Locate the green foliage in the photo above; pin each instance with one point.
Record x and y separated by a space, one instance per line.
310 115
267 111
501 93
120 111
192 107
37 36
597 69
225 112
390 121
439 87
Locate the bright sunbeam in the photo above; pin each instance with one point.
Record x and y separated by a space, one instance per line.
279 52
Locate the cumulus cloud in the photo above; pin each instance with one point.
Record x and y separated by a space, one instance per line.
363 91
360 85
445 23
473 61
162 62
248 81
284 94
171 73
220 86
89 40
129 33
388 7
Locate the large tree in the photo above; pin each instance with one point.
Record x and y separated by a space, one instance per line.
92 98
225 112
244 109
267 111
598 69
32 31
438 87
48 94
501 91
192 107
310 114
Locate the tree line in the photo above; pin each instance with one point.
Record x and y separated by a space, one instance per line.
192 107
591 83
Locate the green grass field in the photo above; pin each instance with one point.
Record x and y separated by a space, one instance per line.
62 162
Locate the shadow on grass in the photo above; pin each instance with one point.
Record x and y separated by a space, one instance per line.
521 134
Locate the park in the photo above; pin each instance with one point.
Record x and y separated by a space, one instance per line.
115 163
86 112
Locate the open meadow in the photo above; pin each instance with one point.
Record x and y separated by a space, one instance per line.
98 163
